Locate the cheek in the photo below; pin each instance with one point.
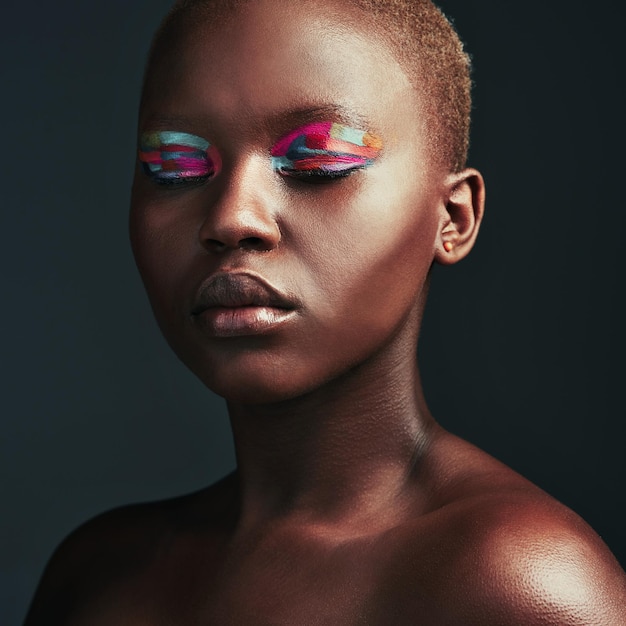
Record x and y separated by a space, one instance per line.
373 257
160 239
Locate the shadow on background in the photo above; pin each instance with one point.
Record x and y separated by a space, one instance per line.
523 344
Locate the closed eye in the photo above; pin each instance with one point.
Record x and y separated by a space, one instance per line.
173 158
324 151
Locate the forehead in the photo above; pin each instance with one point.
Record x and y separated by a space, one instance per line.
267 56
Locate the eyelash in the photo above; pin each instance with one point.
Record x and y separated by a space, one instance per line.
318 176
312 176
176 181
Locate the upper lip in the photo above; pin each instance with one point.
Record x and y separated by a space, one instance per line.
238 289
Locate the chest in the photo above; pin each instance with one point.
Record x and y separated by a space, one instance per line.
285 583
265 582
268 582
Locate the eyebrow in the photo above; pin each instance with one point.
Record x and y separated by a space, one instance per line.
285 120
165 122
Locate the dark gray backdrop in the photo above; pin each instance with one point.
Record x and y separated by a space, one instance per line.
523 342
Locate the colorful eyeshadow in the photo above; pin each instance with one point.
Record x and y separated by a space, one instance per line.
170 157
324 148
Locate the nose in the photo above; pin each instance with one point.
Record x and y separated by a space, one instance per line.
243 216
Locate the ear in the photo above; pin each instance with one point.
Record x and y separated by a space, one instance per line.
461 217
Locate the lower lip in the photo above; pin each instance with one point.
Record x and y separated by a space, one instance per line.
244 320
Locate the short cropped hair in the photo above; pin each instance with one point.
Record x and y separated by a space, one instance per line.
423 41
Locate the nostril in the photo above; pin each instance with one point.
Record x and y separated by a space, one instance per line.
215 245
247 243
253 243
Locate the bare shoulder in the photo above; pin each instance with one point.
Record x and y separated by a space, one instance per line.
529 560
111 553
86 561
508 553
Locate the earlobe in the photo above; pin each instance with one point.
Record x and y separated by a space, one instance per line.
461 217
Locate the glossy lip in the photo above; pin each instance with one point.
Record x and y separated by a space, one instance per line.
236 304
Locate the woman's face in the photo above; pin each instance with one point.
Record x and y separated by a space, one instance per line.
269 279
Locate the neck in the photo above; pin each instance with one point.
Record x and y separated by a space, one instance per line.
345 453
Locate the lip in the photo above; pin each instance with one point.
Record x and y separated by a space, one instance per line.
237 304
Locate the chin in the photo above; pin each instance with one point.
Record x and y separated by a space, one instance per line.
256 384
254 390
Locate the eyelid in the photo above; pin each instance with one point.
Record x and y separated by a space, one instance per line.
325 147
170 156
162 138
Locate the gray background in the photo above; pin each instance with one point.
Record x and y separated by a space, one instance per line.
523 342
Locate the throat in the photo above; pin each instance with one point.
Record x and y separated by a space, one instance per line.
354 462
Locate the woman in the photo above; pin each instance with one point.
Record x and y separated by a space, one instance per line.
301 166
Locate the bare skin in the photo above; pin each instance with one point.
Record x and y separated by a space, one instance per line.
350 505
